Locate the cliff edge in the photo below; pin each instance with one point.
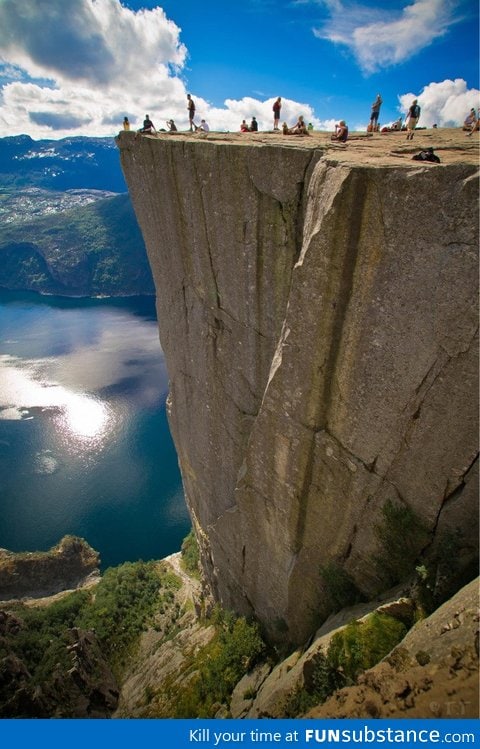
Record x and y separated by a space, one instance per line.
317 310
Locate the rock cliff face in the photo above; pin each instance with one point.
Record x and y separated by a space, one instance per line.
318 318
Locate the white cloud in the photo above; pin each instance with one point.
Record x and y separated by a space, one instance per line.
80 72
382 37
446 103
97 42
86 68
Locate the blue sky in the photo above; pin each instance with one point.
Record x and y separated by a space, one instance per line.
78 72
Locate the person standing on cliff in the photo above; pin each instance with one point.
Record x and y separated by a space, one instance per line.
375 113
126 123
191 111
413 116
276 112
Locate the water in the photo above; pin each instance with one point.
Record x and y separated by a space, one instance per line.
85 447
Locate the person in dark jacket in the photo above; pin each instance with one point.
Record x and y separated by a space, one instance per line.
277 105
148 126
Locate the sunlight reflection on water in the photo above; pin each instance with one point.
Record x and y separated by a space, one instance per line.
87 419
80 417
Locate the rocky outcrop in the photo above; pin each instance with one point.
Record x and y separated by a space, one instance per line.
433 673
318 316
37 574
84 688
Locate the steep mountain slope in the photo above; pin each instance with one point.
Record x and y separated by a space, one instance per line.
88 251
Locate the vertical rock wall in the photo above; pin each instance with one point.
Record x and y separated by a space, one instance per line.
319 325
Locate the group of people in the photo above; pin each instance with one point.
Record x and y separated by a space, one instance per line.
471 123
204 126
411 120
148 127
252 128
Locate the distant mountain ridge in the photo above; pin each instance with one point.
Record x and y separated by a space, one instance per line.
65 164
64 227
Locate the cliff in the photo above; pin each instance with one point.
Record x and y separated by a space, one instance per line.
44 573
317 310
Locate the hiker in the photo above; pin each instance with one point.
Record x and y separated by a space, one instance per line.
277 105
148 126
375 112
126 123
244 127
172 128
191 111
341 132
413 115
254 125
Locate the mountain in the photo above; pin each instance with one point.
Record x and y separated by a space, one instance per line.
61 164
66 222
93 250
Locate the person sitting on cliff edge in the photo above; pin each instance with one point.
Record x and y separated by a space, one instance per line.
471 122
148 126
203 127
341 132
299 128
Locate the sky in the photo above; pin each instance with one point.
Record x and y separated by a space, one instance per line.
77 67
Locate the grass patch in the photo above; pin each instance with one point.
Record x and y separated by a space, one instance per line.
233 651
191 554
352 650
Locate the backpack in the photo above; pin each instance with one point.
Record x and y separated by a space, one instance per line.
427 155
416 111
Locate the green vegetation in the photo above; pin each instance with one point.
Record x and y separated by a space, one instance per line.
340 588
235 648
90 250
123 606
443 571
363 644
352 650
401 536
191 553
118 609
41 640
